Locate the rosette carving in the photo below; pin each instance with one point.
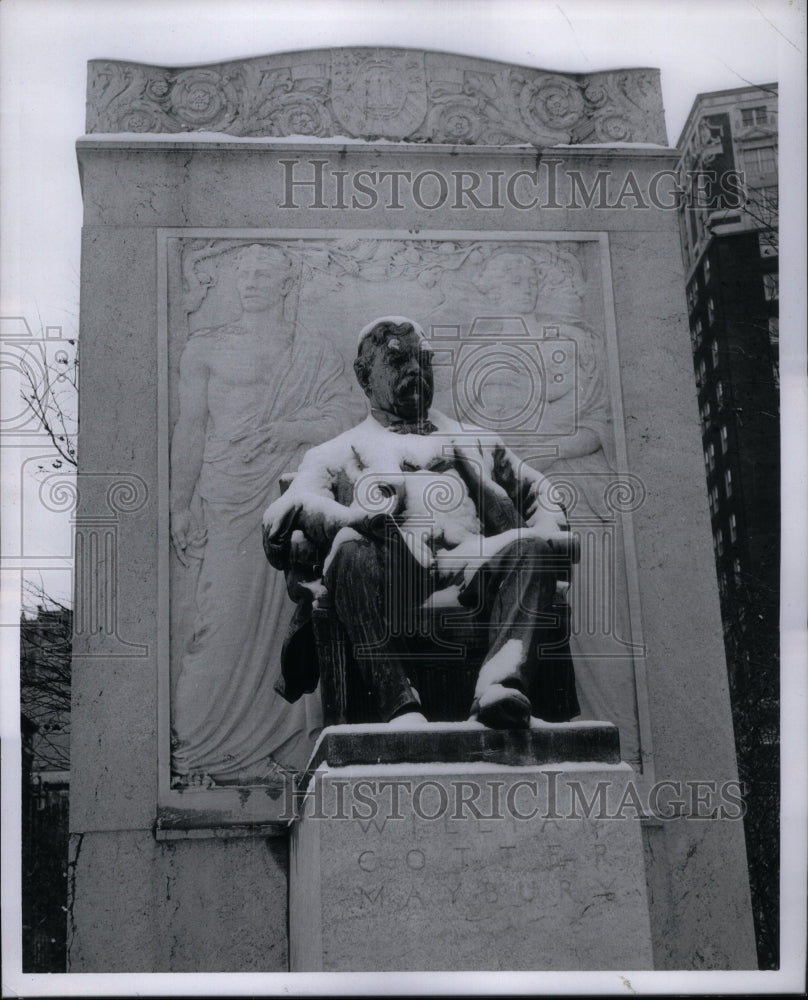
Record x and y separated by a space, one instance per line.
553 103
140 116
624 106
457 120
203 99
298 114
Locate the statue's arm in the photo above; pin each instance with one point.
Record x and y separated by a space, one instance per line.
309 505
188 443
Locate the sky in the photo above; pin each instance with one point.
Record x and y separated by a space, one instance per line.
699 46
45 45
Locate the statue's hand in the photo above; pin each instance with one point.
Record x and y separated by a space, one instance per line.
396 490
320 527
302 552
543 514
544 524
184 533
318 518
378 493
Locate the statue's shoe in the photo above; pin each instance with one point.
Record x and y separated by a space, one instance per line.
500 707
408 720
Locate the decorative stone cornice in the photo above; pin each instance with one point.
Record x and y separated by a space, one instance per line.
378 93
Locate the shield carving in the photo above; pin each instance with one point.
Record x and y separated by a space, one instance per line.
378 93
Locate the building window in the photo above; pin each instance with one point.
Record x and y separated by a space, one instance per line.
706 269
733 529
711 310
706 415
691 297
718 540
736 569
754 116
724 440
713 497
719 393
771 287
714 353
760 160
701 373
702 192
711 457
728 483
722 584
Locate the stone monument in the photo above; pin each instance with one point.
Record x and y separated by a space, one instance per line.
241 222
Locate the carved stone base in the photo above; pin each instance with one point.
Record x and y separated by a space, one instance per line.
468 867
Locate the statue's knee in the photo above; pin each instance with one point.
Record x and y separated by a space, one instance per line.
529 547
355 558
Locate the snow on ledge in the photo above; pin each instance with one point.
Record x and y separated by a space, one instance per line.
224 138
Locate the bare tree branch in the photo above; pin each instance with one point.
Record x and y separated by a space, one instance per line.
52 396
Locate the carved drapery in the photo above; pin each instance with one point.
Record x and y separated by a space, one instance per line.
372 93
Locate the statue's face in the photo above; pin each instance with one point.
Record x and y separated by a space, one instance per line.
260 282
400 379
514 284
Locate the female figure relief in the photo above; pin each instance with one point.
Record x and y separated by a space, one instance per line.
574 446
254 395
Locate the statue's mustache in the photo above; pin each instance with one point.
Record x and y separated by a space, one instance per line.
412 381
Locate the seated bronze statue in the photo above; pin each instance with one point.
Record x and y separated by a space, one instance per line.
407 506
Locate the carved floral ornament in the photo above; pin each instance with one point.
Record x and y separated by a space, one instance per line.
398 94
323 266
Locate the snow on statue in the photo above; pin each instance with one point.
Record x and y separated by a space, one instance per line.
467 513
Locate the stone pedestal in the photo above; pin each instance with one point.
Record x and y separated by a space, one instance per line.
468 867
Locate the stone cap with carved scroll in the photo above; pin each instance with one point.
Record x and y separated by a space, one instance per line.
378 93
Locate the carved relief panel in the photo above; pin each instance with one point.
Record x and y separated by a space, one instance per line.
258 338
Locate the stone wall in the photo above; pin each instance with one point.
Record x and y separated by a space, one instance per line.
197 876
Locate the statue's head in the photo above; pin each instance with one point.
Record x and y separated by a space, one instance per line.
510 282
394 367
264 275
